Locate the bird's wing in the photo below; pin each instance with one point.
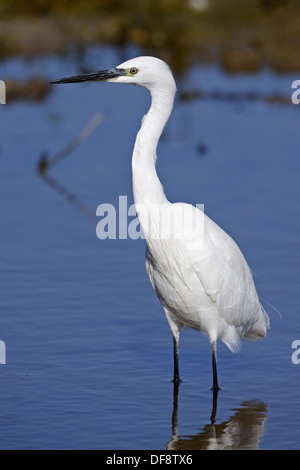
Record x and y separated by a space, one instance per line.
221 268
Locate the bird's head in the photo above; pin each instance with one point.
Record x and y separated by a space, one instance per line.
149 72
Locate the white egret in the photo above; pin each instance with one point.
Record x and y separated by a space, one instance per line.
197 271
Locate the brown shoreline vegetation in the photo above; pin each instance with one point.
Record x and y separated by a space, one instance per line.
240 35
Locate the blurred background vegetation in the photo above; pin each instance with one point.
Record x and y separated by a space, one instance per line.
240 35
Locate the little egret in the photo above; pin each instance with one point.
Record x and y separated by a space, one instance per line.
197 271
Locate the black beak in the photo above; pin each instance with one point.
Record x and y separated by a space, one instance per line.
91 77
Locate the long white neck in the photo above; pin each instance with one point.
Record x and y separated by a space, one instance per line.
147 188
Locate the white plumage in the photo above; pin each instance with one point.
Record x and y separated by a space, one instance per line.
197 271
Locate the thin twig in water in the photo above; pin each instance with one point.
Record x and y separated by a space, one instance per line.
46 163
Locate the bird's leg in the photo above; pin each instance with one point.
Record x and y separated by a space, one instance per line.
214 407
175 409
176 379
214 366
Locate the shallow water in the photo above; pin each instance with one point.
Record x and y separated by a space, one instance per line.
88 350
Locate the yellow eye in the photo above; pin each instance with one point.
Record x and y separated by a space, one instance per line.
133 71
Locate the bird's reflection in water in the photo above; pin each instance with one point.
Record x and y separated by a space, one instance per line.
242 430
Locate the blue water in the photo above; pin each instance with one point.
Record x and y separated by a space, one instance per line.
88 350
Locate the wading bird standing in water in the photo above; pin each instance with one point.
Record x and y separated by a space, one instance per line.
197 271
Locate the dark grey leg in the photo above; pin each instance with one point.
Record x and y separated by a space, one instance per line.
214 366
176 379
